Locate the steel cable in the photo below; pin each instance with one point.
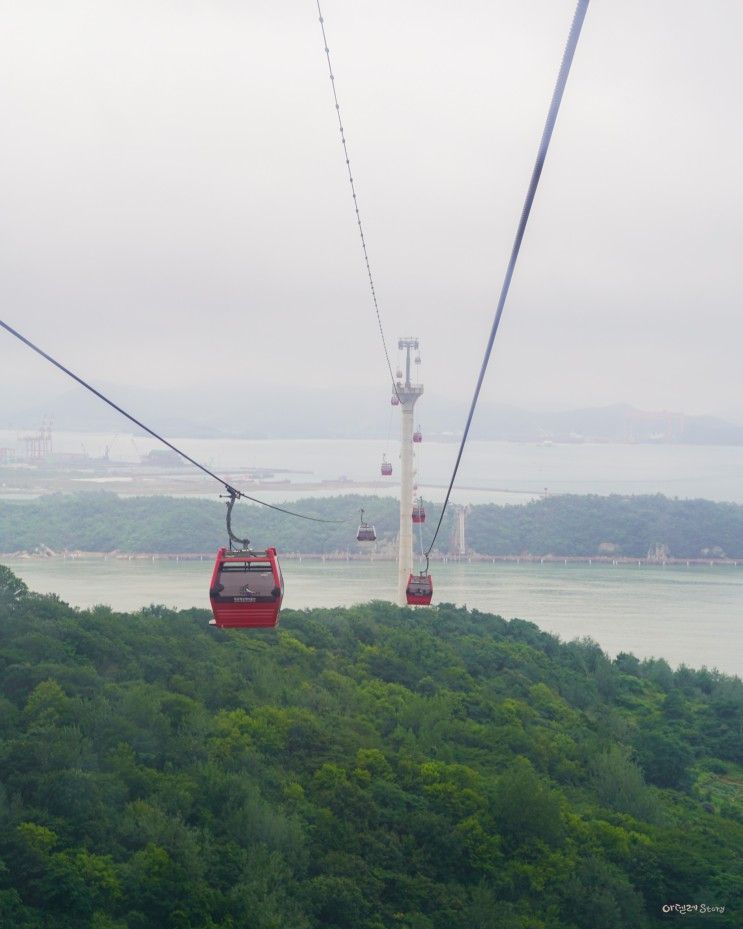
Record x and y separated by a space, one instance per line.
567 60
227 486
356 200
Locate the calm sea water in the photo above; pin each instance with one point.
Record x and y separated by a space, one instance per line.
685 615
490 471
691 615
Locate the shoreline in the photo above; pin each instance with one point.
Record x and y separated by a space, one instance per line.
337 556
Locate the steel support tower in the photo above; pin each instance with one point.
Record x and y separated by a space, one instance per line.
459 538
408 393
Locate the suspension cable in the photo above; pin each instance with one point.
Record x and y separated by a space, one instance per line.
420 532
344 143
389 433
227 486
418 460
567 60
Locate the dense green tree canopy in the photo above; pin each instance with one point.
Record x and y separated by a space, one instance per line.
356 769
558 525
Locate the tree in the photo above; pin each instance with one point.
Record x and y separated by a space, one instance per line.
619 783
525 808
664 758
12 590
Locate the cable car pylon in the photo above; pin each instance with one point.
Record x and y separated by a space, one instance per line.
409 392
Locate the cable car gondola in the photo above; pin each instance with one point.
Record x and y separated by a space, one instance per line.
418 435
419 590
419 514
366 531
395 400
386 467
247 587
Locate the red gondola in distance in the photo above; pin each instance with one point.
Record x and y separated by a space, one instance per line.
418 435
419 514
246 590
367 532
419 590
395 400
386 467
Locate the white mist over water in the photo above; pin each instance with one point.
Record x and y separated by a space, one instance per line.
691 615
490 471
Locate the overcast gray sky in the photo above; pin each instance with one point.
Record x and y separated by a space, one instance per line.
174 206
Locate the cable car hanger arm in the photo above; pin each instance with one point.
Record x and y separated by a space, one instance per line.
228 487
244 543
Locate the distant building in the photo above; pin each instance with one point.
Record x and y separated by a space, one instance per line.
658 554
458 544
163 458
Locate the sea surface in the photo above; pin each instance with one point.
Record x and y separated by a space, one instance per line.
500 472
690 616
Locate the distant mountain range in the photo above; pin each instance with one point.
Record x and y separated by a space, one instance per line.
355 413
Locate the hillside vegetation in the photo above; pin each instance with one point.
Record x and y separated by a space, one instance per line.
560 525
365 768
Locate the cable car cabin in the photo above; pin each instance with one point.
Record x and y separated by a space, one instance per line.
418 435
366 531
419 590
386 467
395 400
419 514
246 590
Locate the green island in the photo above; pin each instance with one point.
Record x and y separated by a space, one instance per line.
362 768
562 526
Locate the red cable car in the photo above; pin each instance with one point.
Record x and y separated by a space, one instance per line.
386 467
366 532
395 400
419 590
246 589
419 514
418 435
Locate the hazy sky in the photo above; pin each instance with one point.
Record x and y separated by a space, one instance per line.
175 211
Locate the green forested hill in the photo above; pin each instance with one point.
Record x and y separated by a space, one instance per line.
630 525
357 769
103 522
561 525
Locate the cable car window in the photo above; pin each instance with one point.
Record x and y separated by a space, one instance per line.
246 580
